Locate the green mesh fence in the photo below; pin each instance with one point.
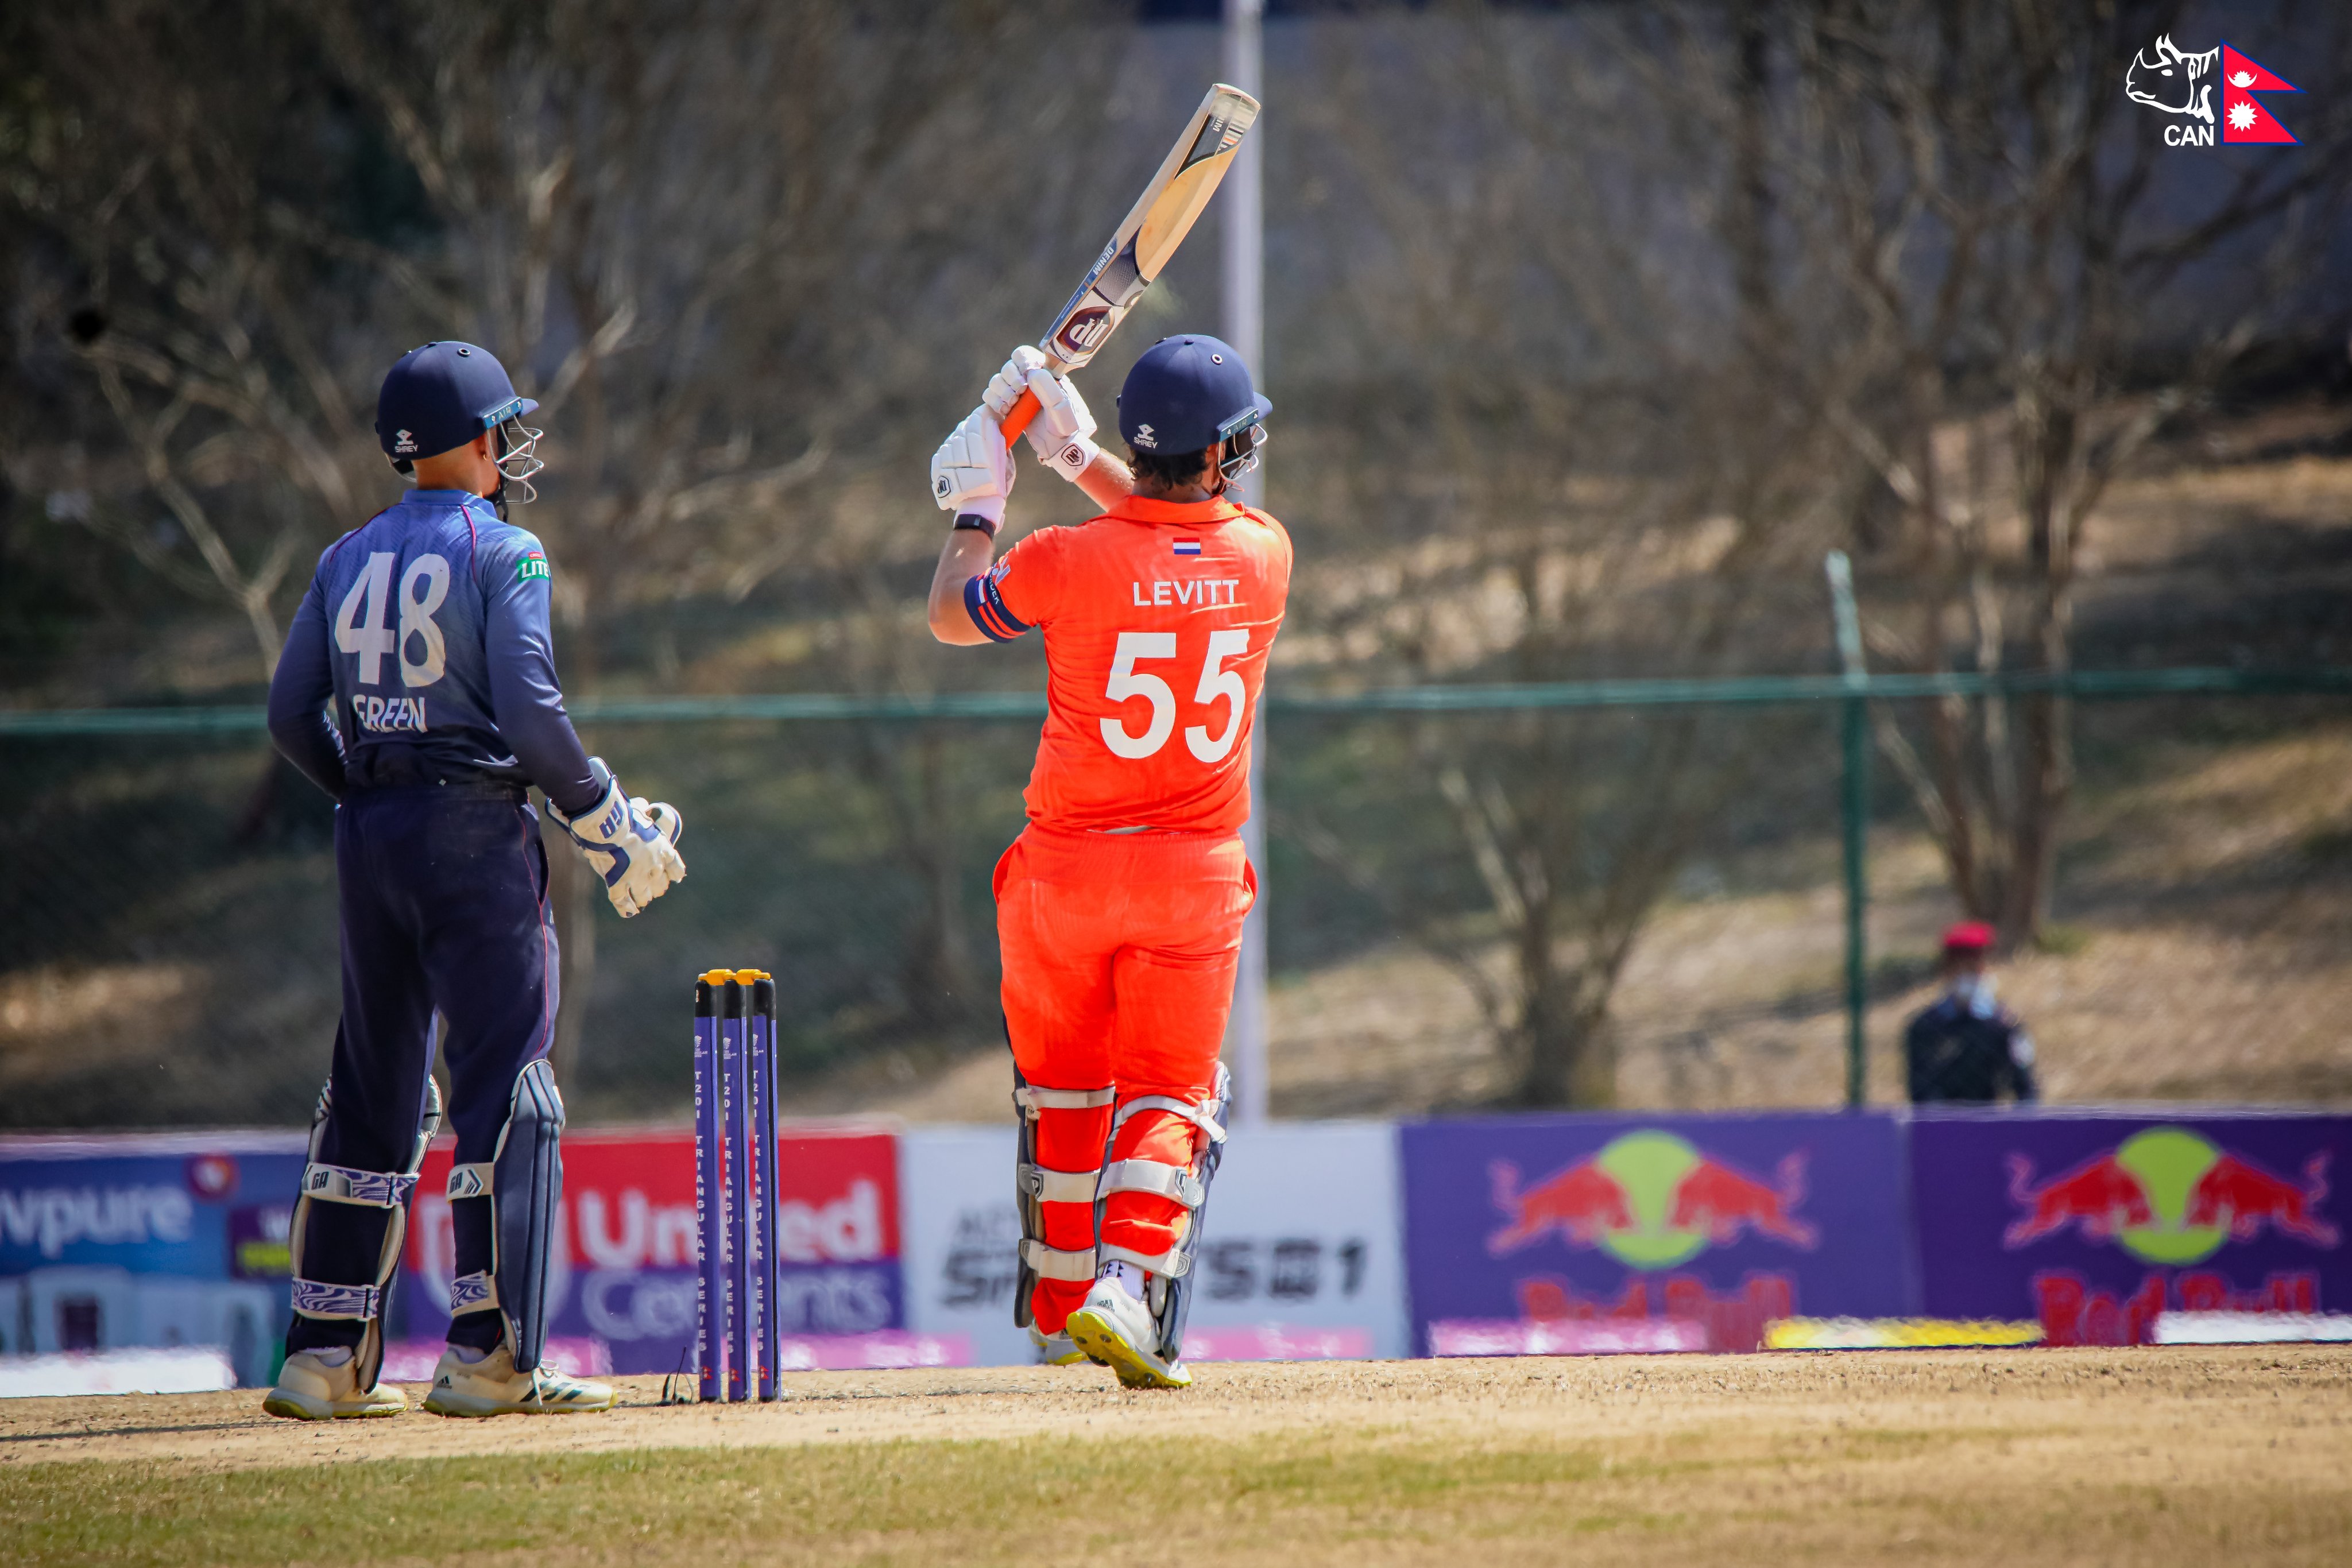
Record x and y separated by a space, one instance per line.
168 943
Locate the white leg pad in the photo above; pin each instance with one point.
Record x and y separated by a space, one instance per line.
1056 1186
1054 1263
1154 1177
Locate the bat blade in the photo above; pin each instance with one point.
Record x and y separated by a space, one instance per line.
1162 216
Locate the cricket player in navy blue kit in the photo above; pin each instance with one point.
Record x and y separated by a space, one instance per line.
428 627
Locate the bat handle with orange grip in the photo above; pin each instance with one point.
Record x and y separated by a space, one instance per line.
1016 418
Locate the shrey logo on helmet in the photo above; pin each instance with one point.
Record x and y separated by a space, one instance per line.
2179 84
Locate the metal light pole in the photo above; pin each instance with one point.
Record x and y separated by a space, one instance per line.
1855 814
1244 329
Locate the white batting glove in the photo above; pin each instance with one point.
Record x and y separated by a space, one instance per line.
971 471
630 841
1062 436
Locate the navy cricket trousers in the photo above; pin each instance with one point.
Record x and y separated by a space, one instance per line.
445 906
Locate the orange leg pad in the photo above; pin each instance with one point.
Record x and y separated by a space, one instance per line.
1067 1140
1119 953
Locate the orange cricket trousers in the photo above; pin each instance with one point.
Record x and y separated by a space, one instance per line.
1119 951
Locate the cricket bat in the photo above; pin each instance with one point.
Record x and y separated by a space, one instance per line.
1145 239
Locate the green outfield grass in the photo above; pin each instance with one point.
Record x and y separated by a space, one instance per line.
1362 1495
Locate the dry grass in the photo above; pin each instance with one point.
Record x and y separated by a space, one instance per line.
53 1015
2207 955
2037 1456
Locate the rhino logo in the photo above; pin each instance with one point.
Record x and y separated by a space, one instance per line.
2162 77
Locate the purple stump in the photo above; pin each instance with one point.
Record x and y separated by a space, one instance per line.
711 1285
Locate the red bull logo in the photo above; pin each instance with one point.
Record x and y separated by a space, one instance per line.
1734 1320
2169 1195
2073 1312
1651 1200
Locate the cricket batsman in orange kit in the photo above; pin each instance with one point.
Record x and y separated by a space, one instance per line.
1119 907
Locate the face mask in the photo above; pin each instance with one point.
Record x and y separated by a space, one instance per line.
518 459
1975 992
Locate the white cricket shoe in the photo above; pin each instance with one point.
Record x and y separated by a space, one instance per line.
491 1386
311 1389
1117 1330
1055 1349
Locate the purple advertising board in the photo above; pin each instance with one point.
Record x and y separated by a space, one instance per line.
2094 1224
1726 1221
173 1239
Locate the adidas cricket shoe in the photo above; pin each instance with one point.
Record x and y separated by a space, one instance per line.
491 1386
1117 1330
311 1389
1055 1349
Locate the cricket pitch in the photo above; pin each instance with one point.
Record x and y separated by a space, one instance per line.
2051 1456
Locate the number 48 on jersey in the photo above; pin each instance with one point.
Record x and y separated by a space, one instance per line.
360 628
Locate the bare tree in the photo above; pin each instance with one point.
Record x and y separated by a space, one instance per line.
1574 467
731 248
215 315
722 246
2011 228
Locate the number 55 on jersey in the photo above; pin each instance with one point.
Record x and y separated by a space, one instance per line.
1158 619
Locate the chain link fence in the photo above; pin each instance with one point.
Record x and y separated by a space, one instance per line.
1642 880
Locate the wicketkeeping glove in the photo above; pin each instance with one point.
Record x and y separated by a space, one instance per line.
630 841
971 471
1062 436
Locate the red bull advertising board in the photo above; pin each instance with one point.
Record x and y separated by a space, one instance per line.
2096 1224
1723 1222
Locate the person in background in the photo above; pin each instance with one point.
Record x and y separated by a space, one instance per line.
1965 1049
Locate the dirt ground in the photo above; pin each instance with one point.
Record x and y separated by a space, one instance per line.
2151 1455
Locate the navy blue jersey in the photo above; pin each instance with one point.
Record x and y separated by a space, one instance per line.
428 627
1969 1051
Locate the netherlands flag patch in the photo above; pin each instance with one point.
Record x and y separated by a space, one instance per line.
1188 546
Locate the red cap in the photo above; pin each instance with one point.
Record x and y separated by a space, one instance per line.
1969 937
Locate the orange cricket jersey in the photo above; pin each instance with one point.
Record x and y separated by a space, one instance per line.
1158 618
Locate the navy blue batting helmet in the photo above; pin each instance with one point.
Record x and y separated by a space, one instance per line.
441 396
1186 393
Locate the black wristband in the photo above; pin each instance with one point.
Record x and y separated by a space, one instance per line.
974 520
